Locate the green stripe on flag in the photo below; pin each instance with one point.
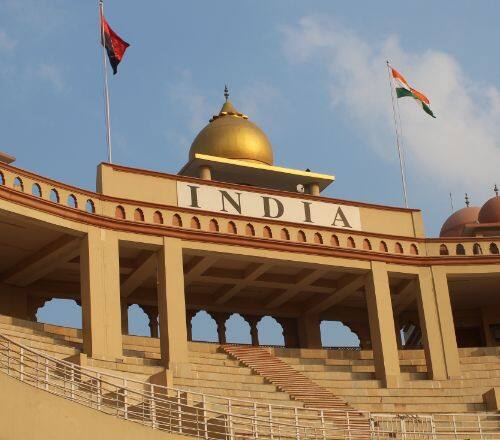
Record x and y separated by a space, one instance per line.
427 109
401 92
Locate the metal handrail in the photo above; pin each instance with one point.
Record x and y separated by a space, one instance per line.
213 417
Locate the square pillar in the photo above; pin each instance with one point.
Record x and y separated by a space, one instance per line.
429 324
446 322
290 331
382 329
309 331
172 306
124 312
100 295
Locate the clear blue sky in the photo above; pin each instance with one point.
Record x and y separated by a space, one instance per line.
311 74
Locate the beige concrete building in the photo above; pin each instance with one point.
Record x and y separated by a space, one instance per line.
233 233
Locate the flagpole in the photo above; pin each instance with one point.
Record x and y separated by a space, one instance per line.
398 142
106 88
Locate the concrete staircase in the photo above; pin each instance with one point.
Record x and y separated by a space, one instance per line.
286 378
299 387
351 376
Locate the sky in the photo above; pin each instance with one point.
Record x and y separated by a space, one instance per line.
311 74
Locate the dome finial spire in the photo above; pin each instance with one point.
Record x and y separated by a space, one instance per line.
495 188
467 202
226 92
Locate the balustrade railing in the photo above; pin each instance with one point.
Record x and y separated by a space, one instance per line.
213 417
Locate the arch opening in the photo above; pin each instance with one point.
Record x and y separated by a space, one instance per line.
270 332
36 190
72 202
337 334
204 327
238 330
90 207
54 195
138 321
63 312
18 184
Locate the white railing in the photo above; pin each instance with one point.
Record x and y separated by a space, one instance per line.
213 417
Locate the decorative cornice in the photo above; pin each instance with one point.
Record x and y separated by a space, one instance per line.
97 220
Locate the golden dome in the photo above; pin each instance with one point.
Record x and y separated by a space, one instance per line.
231 135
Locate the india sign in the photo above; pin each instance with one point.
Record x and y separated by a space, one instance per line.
262 206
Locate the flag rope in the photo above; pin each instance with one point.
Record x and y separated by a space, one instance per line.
106 88
398 132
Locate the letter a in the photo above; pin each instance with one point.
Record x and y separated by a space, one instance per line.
340 216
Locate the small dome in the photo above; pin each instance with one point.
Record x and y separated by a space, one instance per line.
454 224
490 212
231 135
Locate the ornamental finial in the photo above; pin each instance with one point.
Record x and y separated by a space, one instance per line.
495 188
467 201
226 92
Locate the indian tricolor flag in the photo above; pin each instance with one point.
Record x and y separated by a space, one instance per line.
404 89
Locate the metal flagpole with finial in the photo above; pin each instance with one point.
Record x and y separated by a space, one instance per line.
398 135
106 88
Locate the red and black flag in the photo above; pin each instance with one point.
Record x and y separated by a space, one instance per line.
115 46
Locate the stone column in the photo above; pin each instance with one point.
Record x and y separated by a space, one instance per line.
152 313
172 306
254 331
397 329
100 295
220 319
445 323
313 189
383 337
190 314
124 312
290 331
309 331
489 317
205 172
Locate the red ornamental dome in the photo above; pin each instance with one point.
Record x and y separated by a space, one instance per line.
490 212
455 223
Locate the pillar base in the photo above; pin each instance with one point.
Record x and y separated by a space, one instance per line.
492 399
78 359
166 377
392 381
